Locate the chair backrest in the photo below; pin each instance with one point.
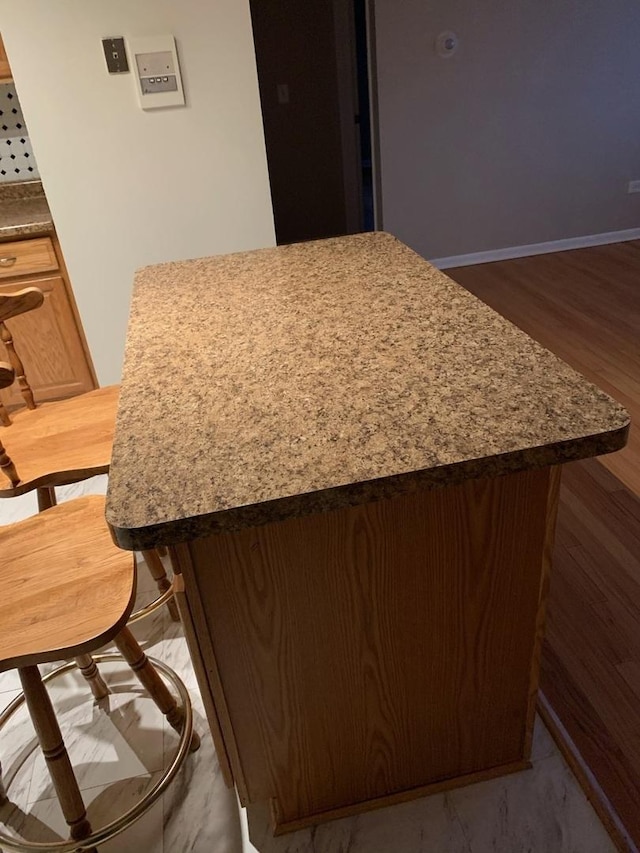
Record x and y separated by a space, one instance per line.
7 375
11 305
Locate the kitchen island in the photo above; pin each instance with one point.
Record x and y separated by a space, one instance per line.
355 466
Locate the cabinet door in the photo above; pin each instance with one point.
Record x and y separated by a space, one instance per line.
48 342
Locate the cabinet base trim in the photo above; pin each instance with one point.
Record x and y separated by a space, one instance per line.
280 828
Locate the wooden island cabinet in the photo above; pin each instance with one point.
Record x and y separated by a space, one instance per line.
355 465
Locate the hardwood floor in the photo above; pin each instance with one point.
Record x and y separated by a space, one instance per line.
584 305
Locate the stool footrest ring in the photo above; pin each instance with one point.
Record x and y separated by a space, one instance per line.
148 609
115 827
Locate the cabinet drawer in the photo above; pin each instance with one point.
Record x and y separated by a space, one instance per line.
25 257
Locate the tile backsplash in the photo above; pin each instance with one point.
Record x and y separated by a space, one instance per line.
17 162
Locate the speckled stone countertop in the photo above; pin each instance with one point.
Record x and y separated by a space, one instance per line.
24 211
269 384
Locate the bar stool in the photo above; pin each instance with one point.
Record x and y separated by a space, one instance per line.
60 443
68 591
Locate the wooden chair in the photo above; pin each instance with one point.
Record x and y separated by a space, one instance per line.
58 443
67 591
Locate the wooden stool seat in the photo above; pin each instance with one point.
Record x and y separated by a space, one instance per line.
65 442
61 442
67 591
73 602
57 444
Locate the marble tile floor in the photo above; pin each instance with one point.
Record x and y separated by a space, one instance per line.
119 751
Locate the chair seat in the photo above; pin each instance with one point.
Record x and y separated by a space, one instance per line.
61 442
66 588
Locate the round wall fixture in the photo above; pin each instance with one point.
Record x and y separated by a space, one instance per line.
446 44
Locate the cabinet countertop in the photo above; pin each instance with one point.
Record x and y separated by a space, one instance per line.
268 384
24 211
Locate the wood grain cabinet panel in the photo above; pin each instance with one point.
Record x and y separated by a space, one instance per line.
5 71
27 257
48 342
49 339
373 654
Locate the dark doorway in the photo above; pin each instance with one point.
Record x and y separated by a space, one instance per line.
364 113
313 77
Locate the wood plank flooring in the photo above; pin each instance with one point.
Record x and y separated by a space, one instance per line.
584 305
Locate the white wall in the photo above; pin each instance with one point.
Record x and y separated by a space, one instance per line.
529 133
127 187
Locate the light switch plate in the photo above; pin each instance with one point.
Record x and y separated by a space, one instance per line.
156 71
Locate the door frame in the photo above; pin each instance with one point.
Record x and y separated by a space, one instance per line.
345 41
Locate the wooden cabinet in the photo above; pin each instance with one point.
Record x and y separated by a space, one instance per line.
27 257
5 71
389 650
49 339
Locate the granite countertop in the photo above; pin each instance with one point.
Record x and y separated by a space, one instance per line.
24 211
269 384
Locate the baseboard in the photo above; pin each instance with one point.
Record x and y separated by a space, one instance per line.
586 779
280 827
511 252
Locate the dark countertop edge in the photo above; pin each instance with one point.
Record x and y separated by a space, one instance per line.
326 500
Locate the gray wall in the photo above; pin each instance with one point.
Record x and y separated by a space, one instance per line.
529 133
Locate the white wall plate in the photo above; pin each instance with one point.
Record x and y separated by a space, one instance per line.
156 71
